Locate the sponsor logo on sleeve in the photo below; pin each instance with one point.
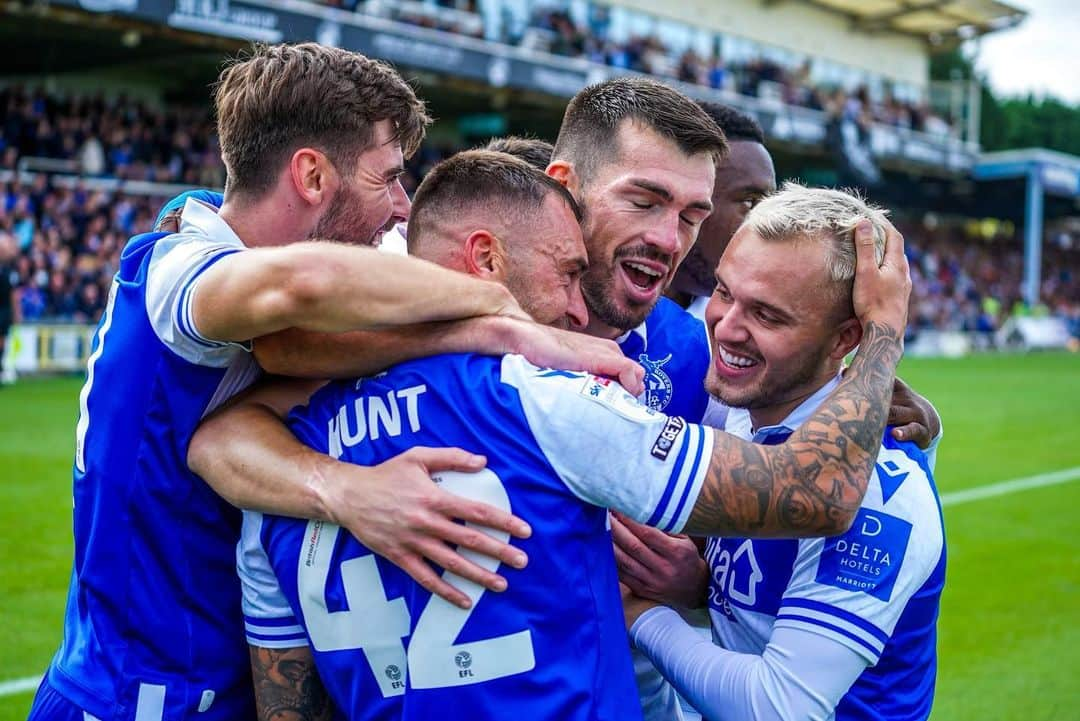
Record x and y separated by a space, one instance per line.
609 393
666 440
868 557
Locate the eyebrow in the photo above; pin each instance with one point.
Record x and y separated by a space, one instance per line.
664 193
783 314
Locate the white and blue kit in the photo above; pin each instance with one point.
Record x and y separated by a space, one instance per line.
851 619
673 348
562 447
153 628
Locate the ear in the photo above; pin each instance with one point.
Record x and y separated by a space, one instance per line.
485 256
313 176
846 336
563 171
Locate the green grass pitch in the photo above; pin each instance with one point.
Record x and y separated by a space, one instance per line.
1010 627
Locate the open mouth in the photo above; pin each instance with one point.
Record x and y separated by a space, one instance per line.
734 364
644 278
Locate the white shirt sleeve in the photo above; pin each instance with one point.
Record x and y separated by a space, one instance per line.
800 675
177 263
269 621
609 449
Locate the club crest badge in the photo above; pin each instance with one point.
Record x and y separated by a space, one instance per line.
657 382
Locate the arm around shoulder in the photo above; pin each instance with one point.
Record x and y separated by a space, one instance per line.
333 288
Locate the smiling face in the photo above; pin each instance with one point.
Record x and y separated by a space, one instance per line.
643 210
743 178
370 199
777 328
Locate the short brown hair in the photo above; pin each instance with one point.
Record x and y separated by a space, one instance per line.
534 151
588 134
475 178
279 98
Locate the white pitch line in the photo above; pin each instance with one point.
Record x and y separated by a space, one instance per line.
19 685
1006 487
22 685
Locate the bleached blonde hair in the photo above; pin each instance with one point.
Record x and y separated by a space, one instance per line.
796 212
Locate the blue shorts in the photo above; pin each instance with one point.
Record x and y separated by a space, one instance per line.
51 706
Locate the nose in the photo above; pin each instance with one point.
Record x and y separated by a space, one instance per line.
401 203
576 310
664 236
725 321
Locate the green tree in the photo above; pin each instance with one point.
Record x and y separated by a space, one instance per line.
1005 123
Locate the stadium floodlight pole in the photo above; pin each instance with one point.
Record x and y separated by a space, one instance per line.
1033 231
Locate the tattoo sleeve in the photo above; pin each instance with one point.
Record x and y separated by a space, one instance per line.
287 686
813 484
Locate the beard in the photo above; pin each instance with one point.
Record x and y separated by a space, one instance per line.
345 222
598 286
599 292
771 388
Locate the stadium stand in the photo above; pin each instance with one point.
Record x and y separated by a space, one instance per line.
81 170
70 237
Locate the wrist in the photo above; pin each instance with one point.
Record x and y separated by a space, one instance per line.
322 486
644 615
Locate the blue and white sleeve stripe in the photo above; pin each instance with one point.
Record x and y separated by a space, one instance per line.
281 632
184 319
269 621
684 483
856 633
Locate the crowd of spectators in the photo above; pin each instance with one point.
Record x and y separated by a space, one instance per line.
758 77
551 29
960 283
69 242
117 137
69 236
68 247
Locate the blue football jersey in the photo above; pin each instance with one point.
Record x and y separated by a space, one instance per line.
673 348
561 448
875 589
153 628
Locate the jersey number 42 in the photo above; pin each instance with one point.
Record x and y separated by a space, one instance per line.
379 627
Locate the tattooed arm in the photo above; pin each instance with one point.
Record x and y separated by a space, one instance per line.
813 484
287 686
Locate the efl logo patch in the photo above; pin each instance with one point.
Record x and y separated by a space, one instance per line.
868 557
666 440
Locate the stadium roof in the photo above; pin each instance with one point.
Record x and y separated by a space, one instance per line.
1058 173
938 21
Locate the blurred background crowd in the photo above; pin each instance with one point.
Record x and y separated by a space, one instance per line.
69 236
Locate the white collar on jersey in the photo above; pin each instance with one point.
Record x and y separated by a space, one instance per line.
738 419
200 218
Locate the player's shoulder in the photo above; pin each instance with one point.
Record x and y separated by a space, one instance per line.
903 496
677 331
448 374
670 313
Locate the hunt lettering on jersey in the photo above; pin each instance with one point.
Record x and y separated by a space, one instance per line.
373 417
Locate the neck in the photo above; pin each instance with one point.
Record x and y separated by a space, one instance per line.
599 329
775 413
261 223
